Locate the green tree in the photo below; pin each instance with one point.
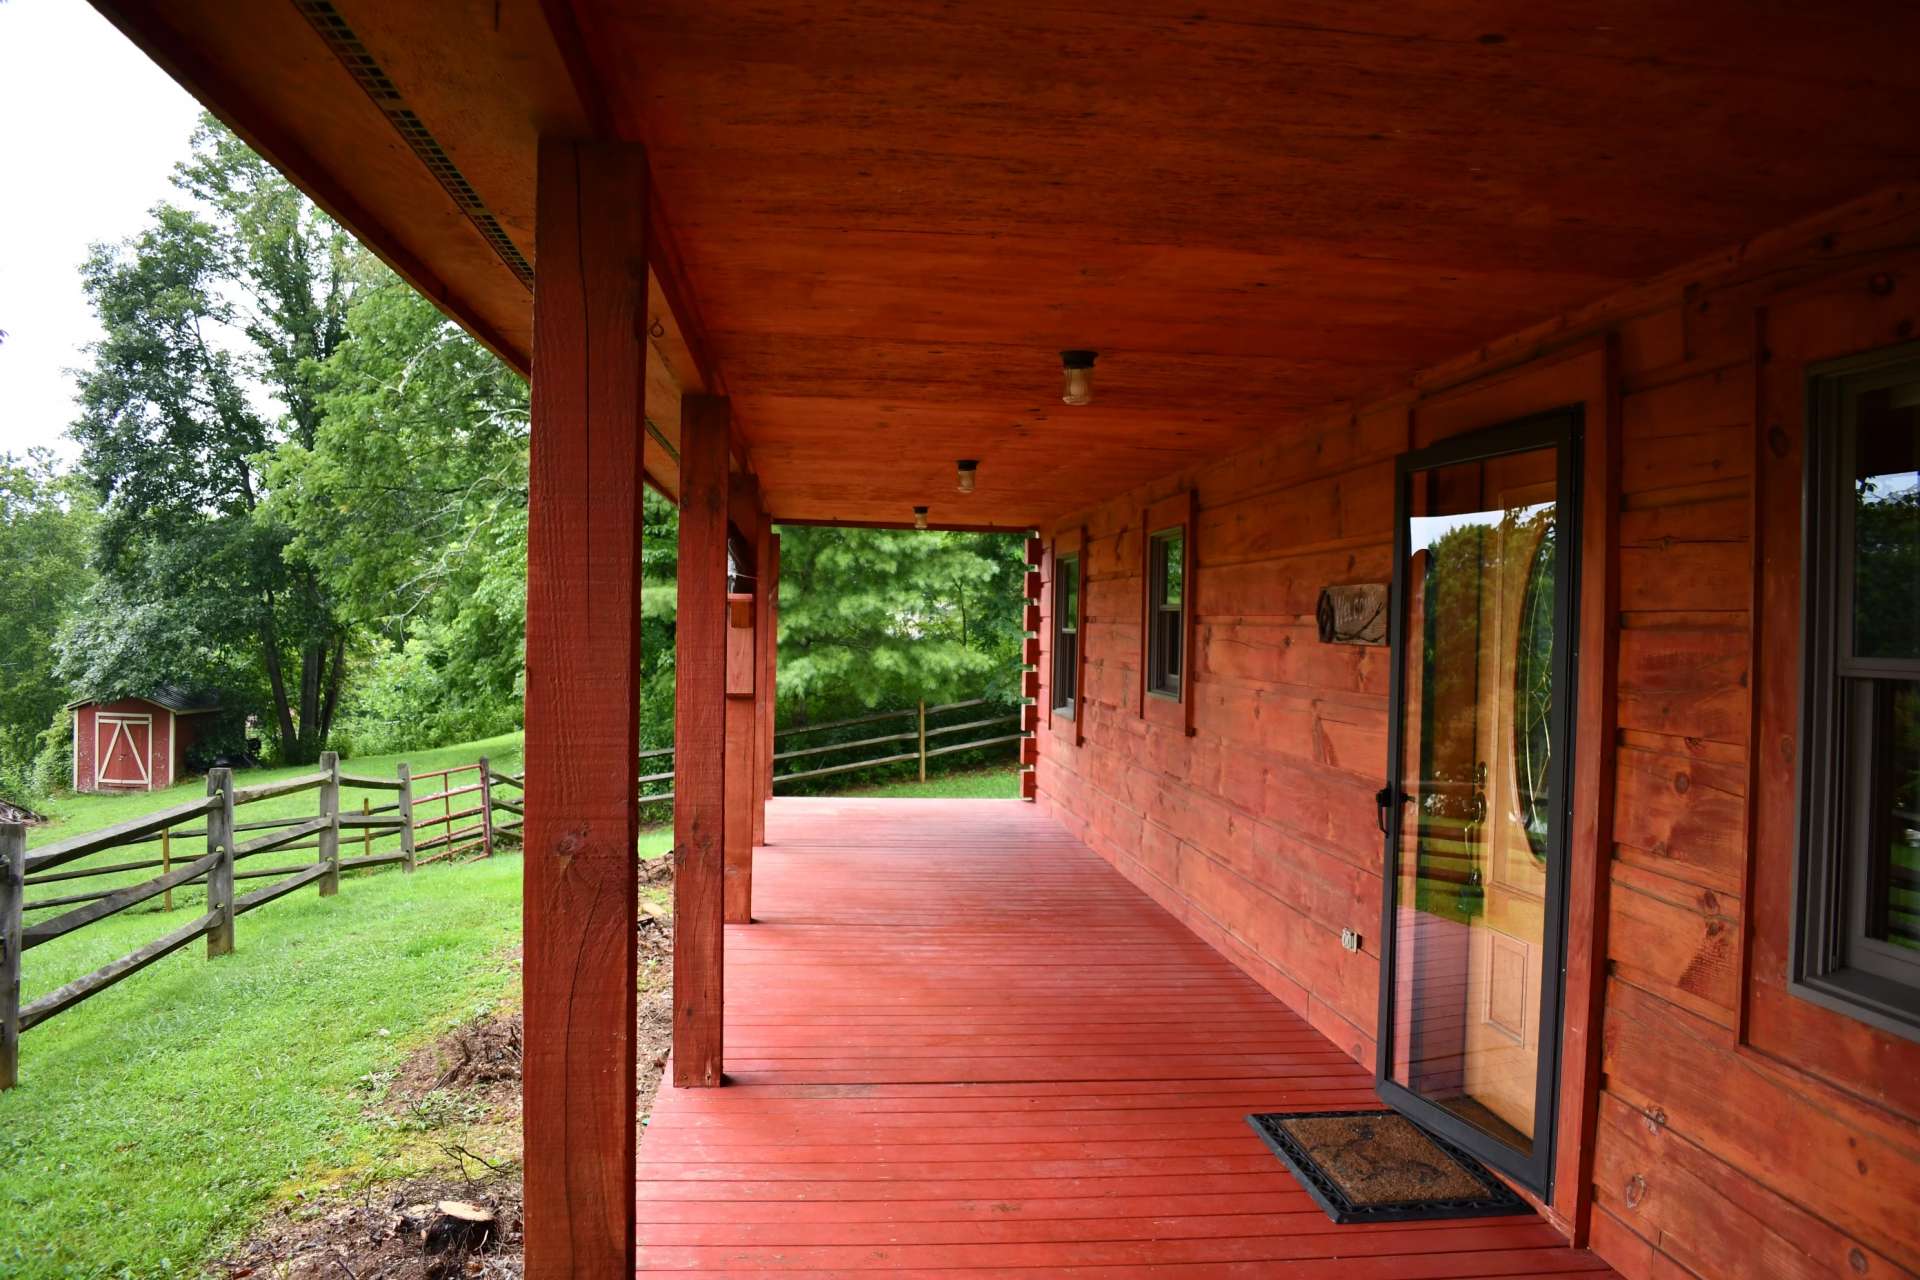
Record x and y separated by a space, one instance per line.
659 607
877 618
46 541
410 504
217 318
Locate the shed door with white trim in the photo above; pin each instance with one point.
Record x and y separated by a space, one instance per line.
121 749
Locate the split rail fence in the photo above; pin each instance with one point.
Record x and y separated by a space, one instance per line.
419 836
928 734
456 820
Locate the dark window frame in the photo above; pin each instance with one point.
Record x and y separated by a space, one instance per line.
1163 681
1833 959
1064 693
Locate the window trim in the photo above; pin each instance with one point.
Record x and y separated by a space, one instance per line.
1829 862
1161 683
1070 705
1175 514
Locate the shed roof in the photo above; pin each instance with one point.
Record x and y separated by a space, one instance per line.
174 698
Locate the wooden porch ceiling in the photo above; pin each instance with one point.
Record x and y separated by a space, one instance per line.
887 219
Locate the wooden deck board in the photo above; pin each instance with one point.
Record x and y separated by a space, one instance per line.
959 1044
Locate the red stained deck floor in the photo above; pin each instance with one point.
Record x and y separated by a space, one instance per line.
960 1044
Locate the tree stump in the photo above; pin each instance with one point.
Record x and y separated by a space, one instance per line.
459 1225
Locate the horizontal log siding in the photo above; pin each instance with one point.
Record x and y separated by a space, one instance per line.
1740 1130
1259 830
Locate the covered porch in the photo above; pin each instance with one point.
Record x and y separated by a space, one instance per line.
1350 272
959 1040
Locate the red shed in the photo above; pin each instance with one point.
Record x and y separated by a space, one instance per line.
134 743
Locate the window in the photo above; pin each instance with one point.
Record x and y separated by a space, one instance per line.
1857 939
1066 633
1167 563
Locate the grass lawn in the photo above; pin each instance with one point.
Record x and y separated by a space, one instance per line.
161 1116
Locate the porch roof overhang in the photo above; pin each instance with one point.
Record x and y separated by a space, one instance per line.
876 225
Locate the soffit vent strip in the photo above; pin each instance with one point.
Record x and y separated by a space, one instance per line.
368 74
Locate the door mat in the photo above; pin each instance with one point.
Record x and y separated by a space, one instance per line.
1378 1166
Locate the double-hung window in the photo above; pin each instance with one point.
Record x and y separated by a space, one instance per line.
1066 633
1857 939
1166 572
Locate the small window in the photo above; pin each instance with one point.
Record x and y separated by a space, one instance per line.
1066 634
1857 943
1167 563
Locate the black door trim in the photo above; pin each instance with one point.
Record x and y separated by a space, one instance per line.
1561 429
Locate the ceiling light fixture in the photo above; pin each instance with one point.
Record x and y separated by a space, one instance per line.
1079 370
967 467
919 517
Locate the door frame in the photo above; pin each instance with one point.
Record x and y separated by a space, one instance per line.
1563 429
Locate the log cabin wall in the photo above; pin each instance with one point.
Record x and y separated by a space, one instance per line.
1736 1129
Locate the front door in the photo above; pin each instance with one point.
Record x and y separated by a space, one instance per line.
1477 803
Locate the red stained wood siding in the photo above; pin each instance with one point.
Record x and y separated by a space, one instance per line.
1701 1070
583 669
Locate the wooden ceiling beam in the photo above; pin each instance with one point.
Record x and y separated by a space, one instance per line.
220 92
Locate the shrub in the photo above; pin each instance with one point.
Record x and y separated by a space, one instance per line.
53 757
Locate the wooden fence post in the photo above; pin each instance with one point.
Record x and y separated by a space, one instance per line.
330 834
405 771
220 874
366 830
13 889
923 739
486 808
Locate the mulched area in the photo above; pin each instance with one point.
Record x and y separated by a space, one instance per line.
469 1076
379 1235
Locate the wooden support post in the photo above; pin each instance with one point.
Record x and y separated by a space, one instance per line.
699 739
13 892
220 874
486 808
166 865
741 747
405 773
923 739
581 896
764 583
366 830
329 841
769 678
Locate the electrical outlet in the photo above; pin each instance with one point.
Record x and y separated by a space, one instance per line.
1349 940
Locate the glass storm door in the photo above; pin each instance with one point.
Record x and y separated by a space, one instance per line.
1476 806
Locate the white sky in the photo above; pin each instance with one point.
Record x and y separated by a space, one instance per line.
89 133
